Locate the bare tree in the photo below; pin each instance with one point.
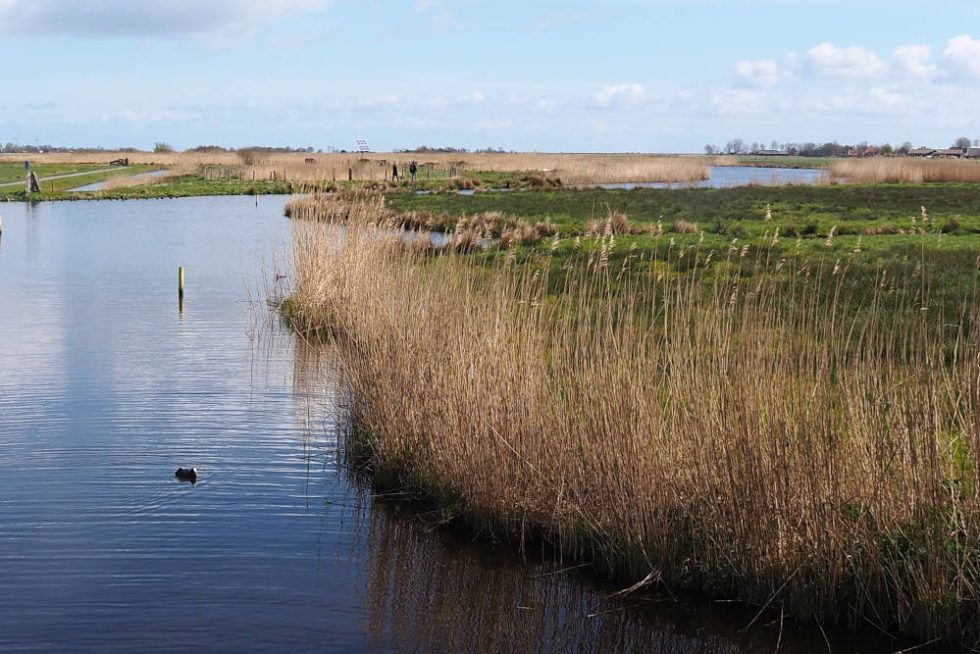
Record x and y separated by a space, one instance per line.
962 143
735 146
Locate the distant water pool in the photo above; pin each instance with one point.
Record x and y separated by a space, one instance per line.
735 176
101 186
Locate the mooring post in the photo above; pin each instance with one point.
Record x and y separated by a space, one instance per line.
180 283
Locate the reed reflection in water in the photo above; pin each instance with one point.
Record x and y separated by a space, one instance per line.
430 587
431 591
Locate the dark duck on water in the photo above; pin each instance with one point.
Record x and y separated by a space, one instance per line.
187 474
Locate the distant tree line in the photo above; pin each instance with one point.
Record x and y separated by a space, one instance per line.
834 149
39 149
158 147
422 149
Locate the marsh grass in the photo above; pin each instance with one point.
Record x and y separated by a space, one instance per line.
880 170
775 441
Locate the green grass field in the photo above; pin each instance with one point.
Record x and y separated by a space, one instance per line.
184 186
14 172
809 211
869 230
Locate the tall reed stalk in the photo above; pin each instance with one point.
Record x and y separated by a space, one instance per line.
764 440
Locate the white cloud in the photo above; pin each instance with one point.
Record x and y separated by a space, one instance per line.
916 60
962 54
738 101
545 106
145 117
883 99
621 94
99 18
829 60
762 72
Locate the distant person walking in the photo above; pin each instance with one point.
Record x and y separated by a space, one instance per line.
394 172
414 169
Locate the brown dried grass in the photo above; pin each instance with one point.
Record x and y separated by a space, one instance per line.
880 170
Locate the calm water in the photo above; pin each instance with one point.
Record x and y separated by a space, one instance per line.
733 176
106 388
100 186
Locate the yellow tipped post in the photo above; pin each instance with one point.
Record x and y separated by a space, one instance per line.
180 286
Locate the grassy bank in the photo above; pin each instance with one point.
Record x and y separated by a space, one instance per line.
69 176
192 185
606 408
869 228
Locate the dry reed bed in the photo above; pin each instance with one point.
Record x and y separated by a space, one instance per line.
751 442
878 170
572 169
343 207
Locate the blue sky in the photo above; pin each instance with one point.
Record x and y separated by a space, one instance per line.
608 75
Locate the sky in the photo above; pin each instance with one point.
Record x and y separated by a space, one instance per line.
606 75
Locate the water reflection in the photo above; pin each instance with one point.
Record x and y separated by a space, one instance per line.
429 590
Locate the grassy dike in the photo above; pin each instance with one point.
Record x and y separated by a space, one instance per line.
772 438
177 187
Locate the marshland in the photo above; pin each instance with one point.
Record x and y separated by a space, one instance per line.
640 400
532 327
792 427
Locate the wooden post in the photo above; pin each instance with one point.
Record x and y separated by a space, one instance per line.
350 174
180 285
